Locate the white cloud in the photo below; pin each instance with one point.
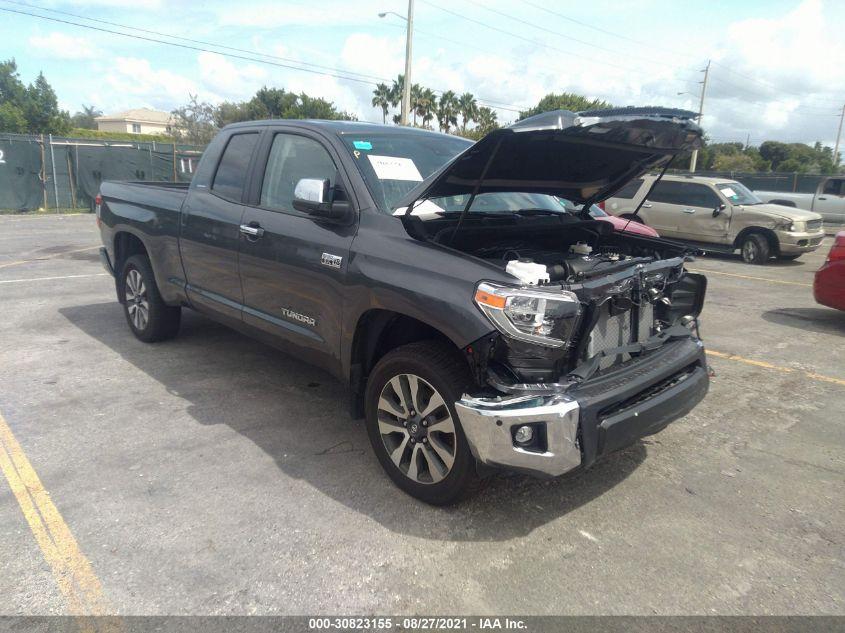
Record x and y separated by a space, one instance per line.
227 80
280 14
58 45
135 83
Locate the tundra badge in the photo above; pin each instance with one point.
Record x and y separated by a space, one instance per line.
332 261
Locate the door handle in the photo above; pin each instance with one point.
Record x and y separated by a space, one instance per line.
646 205
821 198
688 210
252 230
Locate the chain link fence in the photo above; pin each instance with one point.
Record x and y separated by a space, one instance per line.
47 172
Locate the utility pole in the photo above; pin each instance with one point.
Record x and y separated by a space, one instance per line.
406 88
838 136
694 158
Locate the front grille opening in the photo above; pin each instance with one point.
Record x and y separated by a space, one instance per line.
650 391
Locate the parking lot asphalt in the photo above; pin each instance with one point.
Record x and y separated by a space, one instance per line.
213 475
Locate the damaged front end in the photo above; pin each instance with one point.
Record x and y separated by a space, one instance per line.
596 338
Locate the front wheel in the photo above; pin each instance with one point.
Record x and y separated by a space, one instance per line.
755 249
412 423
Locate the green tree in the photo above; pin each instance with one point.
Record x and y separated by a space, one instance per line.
12 118
565 101
468 107
734 162
86 118
194 122
43 115
425 104
447 111
381 99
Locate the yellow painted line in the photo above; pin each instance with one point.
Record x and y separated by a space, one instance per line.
73 573
53 256
774 281
765 365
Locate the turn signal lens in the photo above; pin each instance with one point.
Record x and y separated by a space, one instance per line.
488 299
546 317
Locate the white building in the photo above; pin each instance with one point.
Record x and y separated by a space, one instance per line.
138 121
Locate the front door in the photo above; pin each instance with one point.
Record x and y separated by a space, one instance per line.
293 269
830 203
684 210
210 231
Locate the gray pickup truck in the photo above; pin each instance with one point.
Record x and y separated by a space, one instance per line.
479 315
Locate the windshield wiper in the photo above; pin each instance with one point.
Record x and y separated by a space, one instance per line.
539 211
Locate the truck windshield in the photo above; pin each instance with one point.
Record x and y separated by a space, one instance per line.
738 193
393 163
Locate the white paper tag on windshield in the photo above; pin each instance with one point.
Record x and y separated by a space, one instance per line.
394 168
728 192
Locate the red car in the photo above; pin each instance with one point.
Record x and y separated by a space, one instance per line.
621 224
829 284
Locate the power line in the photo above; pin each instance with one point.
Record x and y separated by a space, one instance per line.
566 35
338 74
652 45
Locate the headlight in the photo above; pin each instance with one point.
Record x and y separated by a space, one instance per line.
796 227
543 317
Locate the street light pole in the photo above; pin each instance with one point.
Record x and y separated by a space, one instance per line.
406 88
838 136
694 158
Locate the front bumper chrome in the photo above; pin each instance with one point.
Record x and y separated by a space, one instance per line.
488 424
796 243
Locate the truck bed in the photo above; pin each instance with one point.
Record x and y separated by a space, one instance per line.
165 196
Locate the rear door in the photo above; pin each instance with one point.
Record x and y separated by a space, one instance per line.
662 207
210 233
292 272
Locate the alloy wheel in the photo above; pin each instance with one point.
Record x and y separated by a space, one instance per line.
749 250
417 429
136 300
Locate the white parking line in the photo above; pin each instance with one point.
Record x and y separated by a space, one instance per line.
20 281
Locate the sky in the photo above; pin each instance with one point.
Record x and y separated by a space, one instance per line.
777 66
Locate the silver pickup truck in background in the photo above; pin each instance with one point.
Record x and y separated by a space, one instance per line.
828 200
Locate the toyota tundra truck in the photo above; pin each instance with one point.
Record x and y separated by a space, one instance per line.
480 317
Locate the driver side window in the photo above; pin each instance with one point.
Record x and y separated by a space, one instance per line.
292 158
834 187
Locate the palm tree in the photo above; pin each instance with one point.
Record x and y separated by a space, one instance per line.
468 108
396 94
416 96
447 111
427 104
486 119
381 99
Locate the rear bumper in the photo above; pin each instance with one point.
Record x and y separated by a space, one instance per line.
105 261
606 413
829 285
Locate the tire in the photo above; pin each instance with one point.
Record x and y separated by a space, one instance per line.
788 258
149 317
416 457
755 249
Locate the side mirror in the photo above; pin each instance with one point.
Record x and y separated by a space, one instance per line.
718 210
315 197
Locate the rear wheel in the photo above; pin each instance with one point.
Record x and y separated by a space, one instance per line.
412 423
755 249
148 316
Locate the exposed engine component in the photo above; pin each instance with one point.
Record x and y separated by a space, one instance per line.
527 271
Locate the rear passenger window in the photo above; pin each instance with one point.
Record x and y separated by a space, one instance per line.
629 190
833 187
667 191
231 172
685 193
293 158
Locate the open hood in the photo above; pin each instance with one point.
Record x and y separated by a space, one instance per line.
583 157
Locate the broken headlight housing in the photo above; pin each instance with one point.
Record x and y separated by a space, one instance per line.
544 317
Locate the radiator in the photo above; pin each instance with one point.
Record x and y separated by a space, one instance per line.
616 330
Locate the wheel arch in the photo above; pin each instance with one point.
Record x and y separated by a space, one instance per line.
125 245
377 332
769 234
